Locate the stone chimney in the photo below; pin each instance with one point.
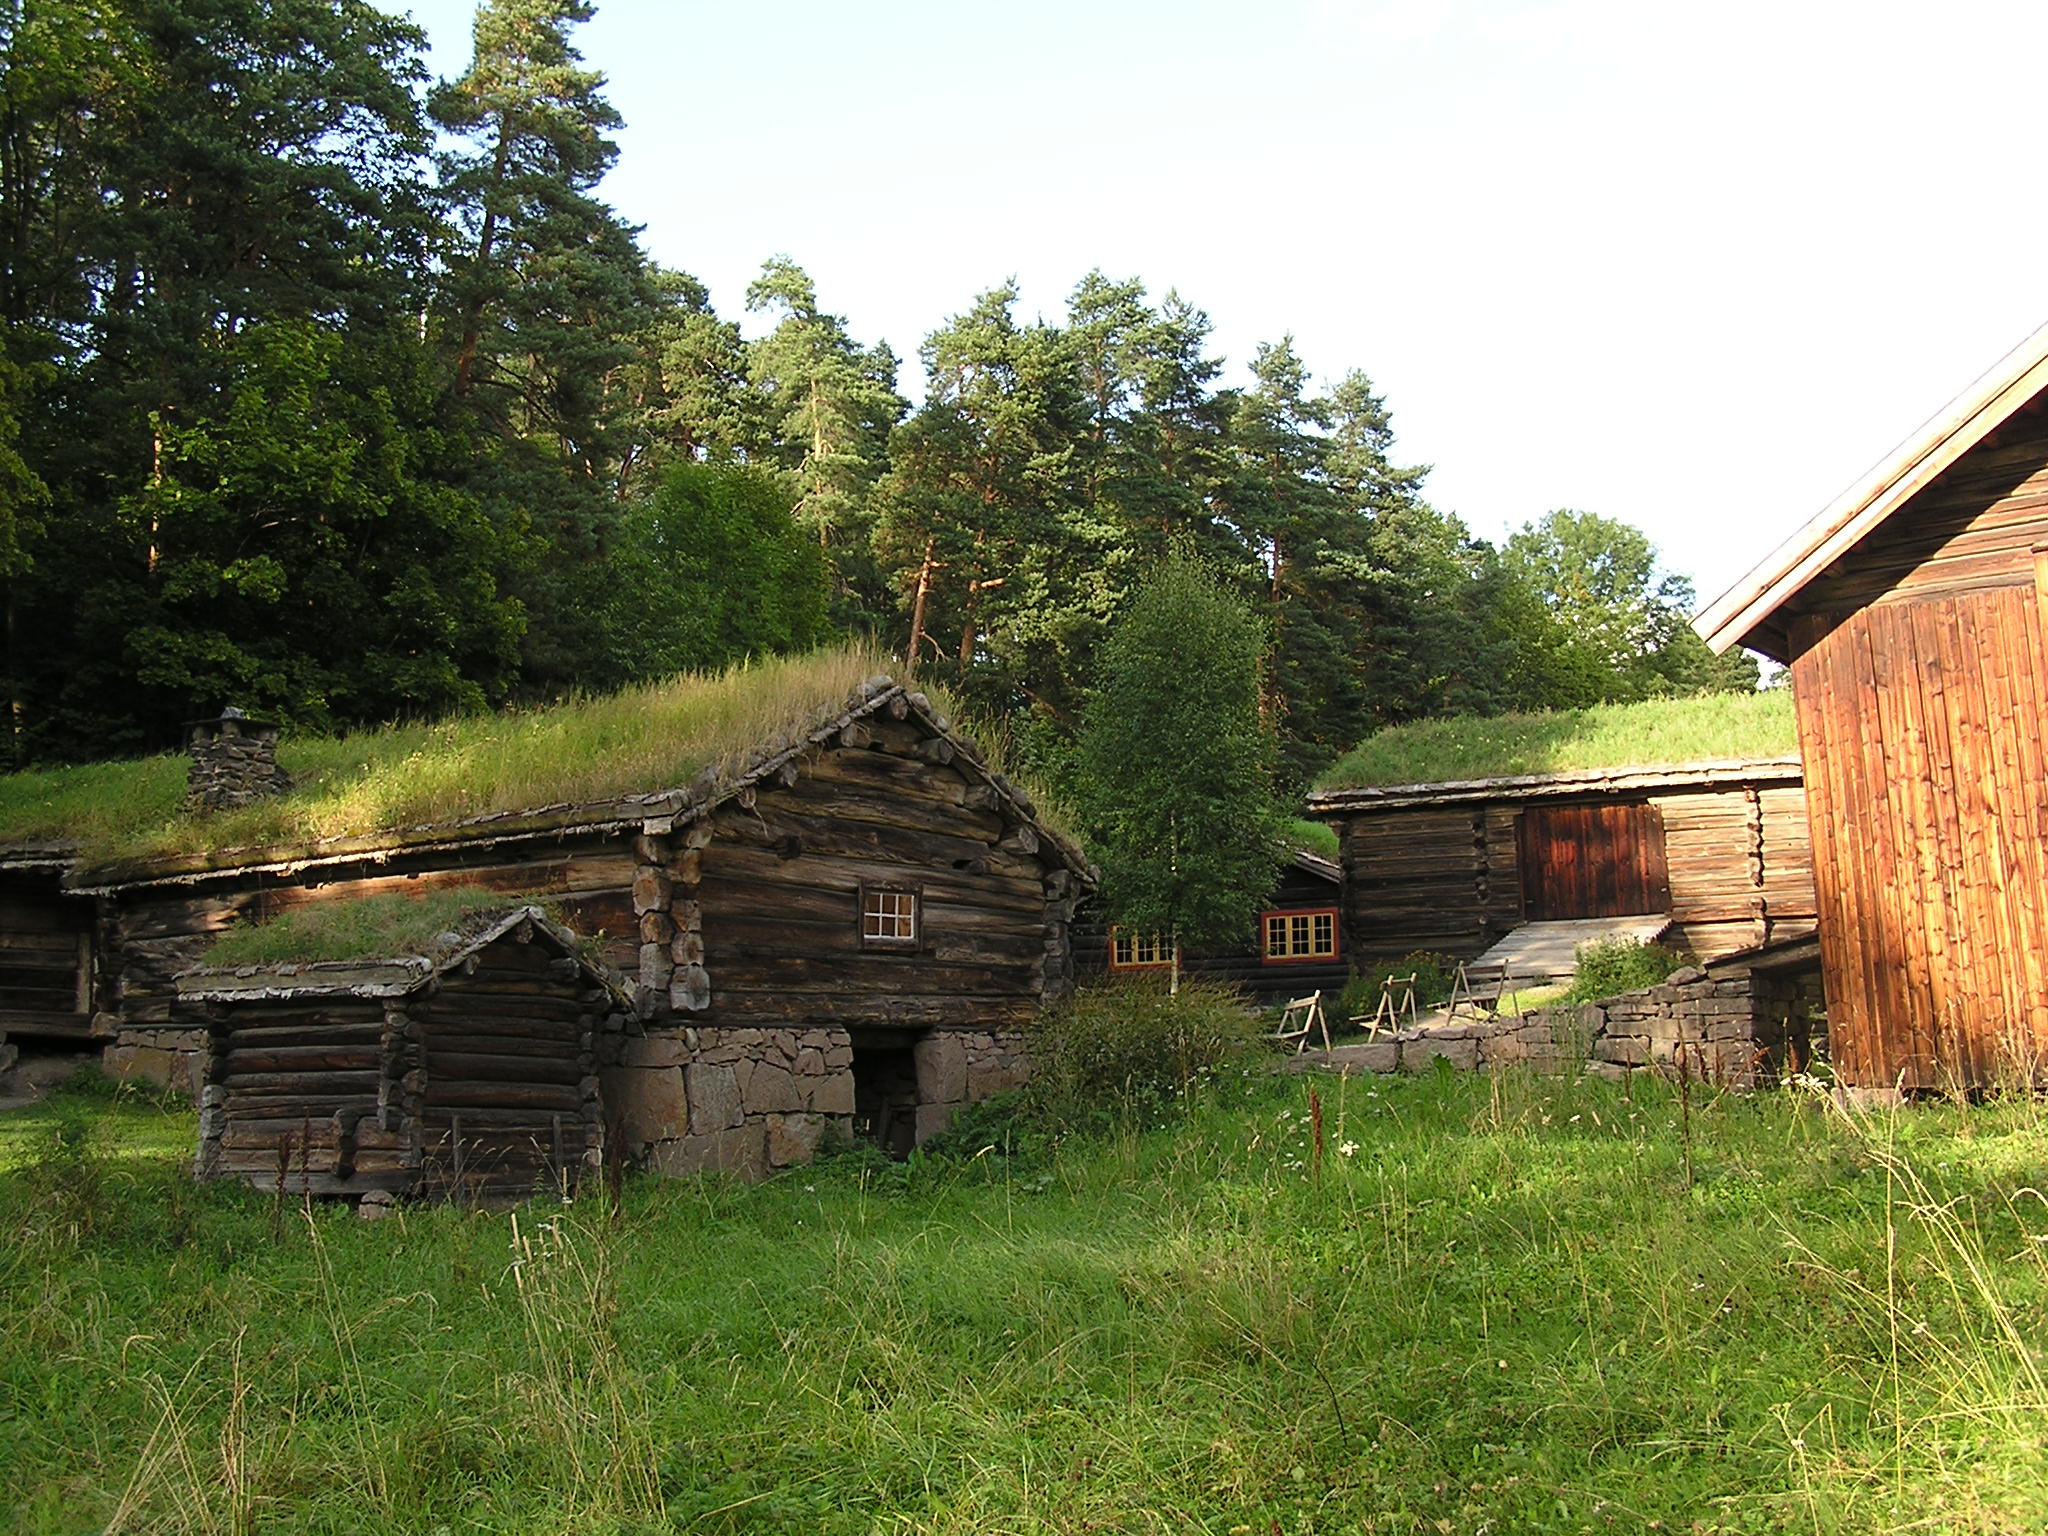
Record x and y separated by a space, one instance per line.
234 762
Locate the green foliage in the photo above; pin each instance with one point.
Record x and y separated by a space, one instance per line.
1614 966
1435 974
1612 626
712 570
1699 729
1317 837
1128 1047
1175 776
1502 1306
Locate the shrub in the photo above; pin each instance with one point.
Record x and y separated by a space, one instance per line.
1434 972
1613 966
1128 1046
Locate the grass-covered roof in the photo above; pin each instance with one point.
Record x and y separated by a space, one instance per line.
649 738
1710 728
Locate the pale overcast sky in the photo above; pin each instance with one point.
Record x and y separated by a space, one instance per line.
1694 266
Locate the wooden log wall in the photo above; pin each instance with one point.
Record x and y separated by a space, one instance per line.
296 1090
775 891
46 959
1426 877
1740 863
507 1100
1448 877
481 1084
1243 965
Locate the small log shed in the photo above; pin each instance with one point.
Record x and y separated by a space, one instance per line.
1452 867
1913 615
471 1072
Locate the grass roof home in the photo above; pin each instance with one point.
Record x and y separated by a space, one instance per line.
1709 728
824 906
1456 832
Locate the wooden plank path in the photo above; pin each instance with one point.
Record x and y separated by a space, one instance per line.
1549 951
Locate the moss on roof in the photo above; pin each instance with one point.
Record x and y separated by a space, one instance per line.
639 740
383 927
1711 727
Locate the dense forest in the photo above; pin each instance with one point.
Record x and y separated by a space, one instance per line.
340 394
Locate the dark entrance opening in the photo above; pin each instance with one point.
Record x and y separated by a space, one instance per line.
885 1089
1591 861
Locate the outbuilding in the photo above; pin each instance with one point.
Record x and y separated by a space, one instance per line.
1913 615
469 1071
1721 848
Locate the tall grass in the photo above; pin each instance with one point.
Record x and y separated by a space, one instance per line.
1500 1308
1703 729
647 738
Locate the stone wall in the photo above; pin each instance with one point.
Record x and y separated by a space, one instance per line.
748 1101
1731 1025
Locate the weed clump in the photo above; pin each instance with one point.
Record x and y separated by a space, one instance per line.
1434 974
1614 966
1114 1052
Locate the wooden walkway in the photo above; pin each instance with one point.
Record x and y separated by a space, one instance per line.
1548 951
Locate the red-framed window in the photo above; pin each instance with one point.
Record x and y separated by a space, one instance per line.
1294 936
1130 950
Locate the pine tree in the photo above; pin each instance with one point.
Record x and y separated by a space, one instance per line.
830 405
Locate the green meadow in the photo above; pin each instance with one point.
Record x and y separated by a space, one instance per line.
1296 1305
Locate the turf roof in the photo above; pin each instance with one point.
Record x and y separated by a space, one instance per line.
648 738
1709 728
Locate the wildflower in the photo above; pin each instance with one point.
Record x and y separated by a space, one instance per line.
1348 1149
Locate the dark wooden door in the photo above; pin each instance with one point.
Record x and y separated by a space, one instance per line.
1591 861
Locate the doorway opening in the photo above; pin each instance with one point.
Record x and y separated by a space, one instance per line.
885 1089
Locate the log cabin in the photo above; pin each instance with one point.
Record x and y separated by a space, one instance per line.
1912 613
846 927
1295 946
1721 847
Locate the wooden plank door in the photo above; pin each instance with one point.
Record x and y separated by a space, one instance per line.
1591 861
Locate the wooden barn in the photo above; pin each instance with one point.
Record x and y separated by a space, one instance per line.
1913 614
848 924
1722 848
1296 946
471 1071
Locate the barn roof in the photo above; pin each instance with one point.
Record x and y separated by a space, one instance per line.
1538 786
397 975
1748 613
657 812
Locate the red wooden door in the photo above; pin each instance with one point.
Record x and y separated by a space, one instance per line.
1591 861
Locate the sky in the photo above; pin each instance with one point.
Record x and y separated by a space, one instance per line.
1693 266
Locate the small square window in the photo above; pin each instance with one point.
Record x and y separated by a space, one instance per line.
888 918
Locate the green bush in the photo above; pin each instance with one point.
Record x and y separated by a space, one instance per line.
1127 1046
1434 973
1613 966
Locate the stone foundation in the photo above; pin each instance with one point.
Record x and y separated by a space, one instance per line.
1730 1025
749 1101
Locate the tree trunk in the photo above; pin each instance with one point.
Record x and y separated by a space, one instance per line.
924 587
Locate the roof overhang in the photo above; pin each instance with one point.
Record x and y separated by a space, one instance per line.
1747 613
1669 777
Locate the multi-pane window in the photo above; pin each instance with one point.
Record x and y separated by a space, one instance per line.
1130 950
888 918
1300 935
